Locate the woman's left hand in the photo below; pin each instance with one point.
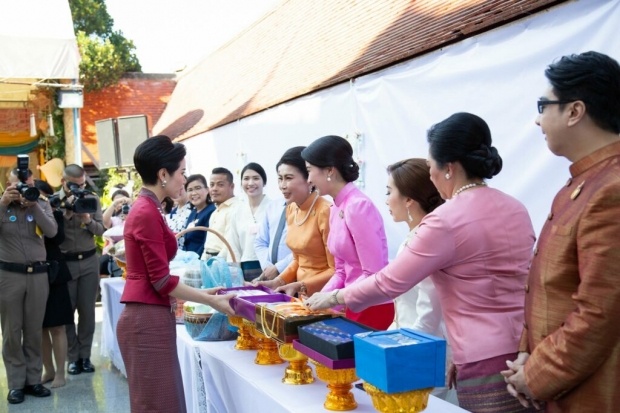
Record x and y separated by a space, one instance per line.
289 289
320 301
451 378
212 291
220 302
275 283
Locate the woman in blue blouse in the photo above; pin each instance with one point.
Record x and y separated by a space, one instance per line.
202 208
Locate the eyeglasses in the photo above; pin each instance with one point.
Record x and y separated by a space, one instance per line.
542 103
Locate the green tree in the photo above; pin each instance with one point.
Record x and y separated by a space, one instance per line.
106 54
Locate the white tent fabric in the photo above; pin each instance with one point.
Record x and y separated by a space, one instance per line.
37 40
497 75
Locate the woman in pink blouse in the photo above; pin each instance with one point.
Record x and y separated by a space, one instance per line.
357 235
146 329
477 249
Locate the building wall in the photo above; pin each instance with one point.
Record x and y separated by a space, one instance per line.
135 94
14 120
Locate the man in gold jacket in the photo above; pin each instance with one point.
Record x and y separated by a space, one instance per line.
571 340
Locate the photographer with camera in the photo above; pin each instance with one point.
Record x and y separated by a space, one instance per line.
83 220
114 217
116 213
24 219
29 179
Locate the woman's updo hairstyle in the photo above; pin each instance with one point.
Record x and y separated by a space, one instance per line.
292 157
157 153
465 138
413 180
333 151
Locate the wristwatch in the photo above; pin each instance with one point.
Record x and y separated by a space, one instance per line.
334 298
303 288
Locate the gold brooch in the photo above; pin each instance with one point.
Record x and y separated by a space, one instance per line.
577 191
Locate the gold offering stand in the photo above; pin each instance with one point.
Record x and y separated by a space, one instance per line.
339 382
267 348
297 372
122 265
413 401
245 341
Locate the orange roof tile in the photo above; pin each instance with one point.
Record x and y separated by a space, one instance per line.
306 45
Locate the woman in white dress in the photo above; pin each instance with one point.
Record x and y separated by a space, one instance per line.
410 196
245 219
177 218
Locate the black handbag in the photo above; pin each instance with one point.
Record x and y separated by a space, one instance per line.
52 270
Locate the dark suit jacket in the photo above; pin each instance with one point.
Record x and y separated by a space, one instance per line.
195 241
572 306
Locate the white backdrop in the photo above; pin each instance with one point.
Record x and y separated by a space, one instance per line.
498 75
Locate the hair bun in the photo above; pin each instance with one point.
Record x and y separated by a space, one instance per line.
484 162
434 201
350 171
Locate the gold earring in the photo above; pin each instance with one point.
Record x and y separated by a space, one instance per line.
409 215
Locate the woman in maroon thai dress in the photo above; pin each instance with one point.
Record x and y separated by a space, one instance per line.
146 329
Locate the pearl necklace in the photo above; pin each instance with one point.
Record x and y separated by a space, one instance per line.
299 224
465 187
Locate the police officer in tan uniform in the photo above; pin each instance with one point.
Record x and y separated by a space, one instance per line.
79 250
23 290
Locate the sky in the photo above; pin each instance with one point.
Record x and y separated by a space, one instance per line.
172 34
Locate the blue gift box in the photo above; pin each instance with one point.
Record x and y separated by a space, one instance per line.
400 360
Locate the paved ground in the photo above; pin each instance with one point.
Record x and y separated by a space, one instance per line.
103 391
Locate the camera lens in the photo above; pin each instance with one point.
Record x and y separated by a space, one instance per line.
31 194
54 201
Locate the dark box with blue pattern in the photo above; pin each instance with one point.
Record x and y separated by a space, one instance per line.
332 338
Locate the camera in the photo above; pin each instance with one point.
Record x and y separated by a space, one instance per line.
80 204
28 192
125 209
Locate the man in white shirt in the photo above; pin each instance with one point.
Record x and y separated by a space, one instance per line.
270 243
222 190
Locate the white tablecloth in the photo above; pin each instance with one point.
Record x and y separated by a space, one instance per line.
219 379
235 384
111 291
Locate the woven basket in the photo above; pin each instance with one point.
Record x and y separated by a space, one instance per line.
195 323
220 236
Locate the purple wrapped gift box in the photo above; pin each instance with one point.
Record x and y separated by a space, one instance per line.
244 306
246 288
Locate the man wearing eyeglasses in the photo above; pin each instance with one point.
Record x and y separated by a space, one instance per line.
570 348
80 250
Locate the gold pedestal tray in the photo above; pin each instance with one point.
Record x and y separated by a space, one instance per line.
406 402
298 371
123 266
339 382
245 341
267 348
